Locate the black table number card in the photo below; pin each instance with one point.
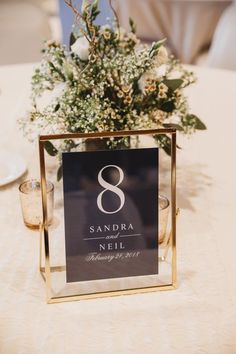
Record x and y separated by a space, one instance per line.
111 213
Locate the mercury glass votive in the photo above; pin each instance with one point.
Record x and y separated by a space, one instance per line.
164 206
31 202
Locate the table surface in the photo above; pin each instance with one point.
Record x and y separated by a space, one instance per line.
197 318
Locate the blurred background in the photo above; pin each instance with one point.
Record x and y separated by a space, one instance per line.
198 32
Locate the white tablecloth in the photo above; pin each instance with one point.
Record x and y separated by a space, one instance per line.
197 318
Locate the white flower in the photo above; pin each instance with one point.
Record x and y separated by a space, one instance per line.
49 96
162 56
81 48
133 38
151 75
121 33
106 31
161 71
174 74
162 91
104 28
148 76
163 87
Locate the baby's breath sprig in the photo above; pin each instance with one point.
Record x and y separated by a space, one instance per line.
108 81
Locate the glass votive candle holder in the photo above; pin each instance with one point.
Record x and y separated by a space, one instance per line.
31 203
164 206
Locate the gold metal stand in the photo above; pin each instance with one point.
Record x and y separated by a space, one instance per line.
168 242
44 262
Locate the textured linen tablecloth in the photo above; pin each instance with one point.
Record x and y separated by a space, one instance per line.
197 318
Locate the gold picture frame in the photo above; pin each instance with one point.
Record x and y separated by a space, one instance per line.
45 267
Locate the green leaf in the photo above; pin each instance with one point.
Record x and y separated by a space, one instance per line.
174 126
55 69
49 147
94 11
95 6
68 72
132 25
156 46
59 173
173 84
85 6
167 106
167 149
199 124
194 121
72 39
165 142
57 107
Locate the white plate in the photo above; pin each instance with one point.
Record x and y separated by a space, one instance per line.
12 166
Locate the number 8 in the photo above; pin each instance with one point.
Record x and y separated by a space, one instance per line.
112 188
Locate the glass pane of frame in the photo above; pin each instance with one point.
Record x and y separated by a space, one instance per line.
113 230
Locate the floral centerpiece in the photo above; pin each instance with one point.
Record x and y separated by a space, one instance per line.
108 81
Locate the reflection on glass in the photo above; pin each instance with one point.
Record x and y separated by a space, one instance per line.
164 206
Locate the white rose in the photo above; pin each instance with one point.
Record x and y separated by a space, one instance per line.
161 71
174 74
162 56
81 48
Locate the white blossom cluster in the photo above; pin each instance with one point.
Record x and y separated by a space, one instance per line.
108 81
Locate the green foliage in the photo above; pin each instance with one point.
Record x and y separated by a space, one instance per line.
173 84
156 46
72 39
173 126
164 142
109 81
167 106
198 123
57 107
191 121
94 11
132 25
49 147
58 71
59 173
